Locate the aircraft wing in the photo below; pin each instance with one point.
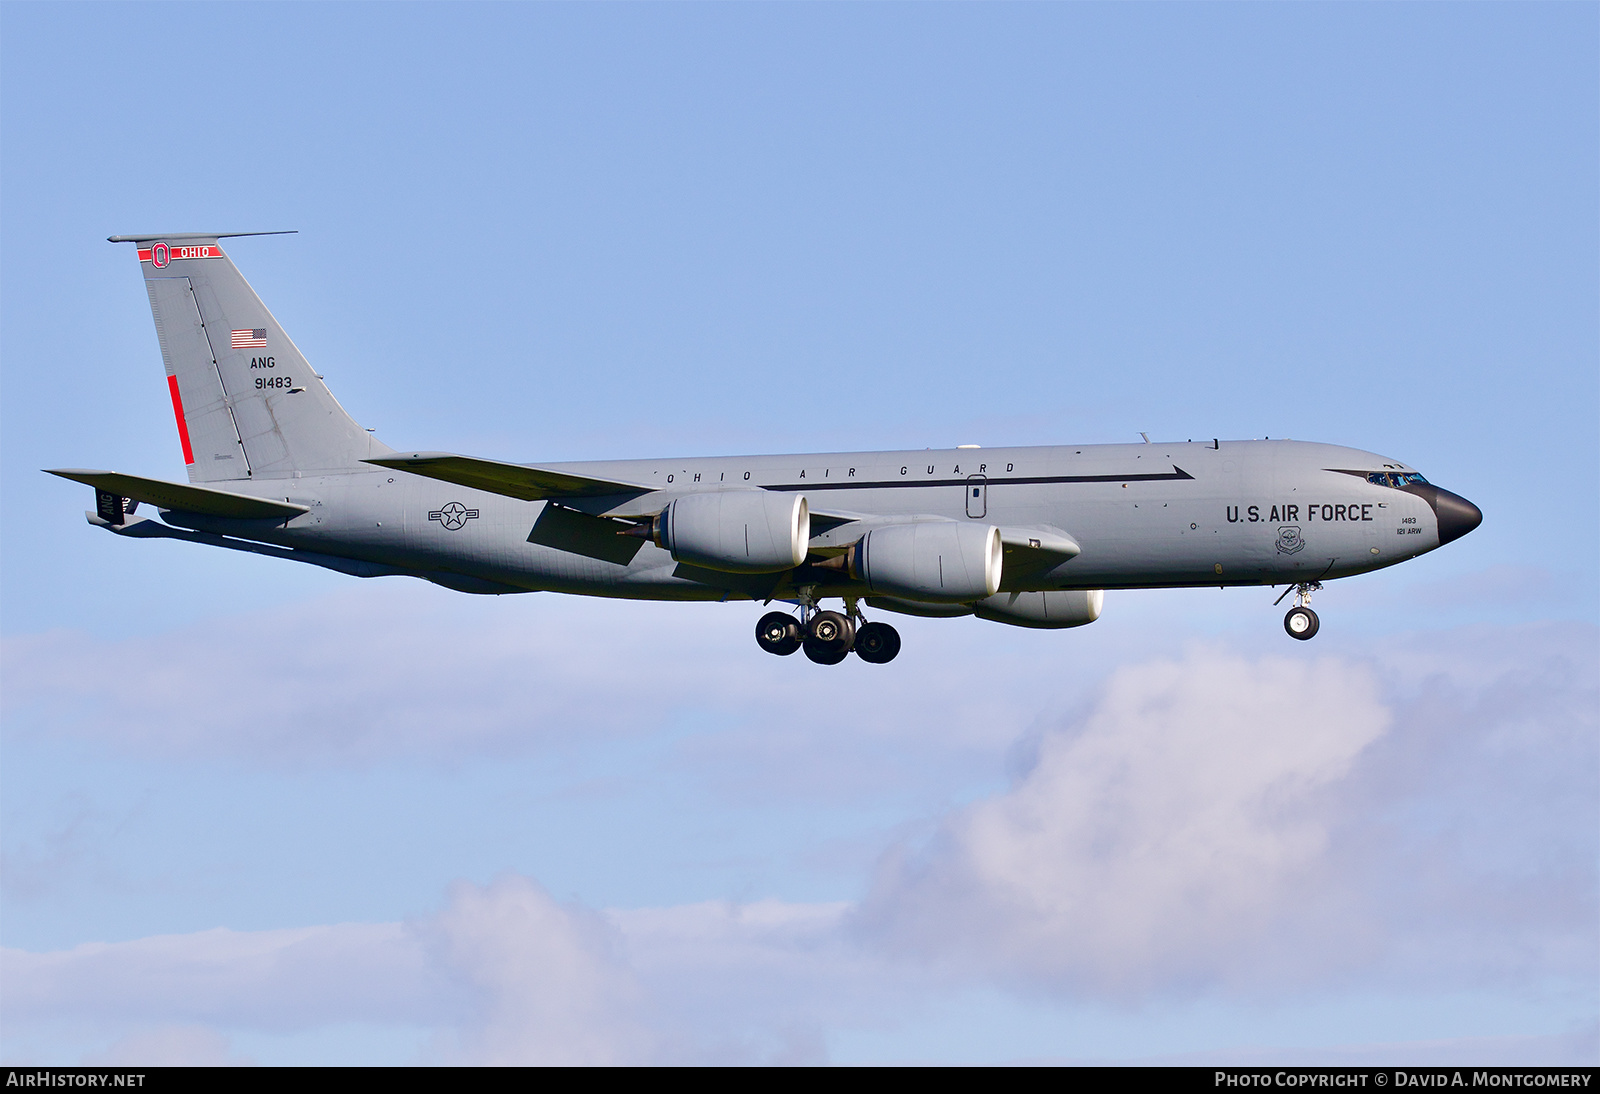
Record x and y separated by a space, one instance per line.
514 480
189 499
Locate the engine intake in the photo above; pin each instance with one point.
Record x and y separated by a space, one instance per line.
736 531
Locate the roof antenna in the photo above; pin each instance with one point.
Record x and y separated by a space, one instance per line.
1145 435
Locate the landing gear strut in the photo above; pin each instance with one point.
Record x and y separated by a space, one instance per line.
1301 622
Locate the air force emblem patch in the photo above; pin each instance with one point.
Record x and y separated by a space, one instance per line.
454 516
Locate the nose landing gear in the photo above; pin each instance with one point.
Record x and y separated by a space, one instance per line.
1301 622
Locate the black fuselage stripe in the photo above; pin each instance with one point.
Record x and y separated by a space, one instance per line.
1174 475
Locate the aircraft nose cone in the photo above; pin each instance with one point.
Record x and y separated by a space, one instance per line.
1457 516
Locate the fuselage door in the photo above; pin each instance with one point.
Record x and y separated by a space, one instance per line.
977 495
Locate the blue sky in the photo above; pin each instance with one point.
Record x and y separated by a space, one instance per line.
255 813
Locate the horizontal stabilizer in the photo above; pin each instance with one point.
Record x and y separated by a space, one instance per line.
189 499
514 480
194 235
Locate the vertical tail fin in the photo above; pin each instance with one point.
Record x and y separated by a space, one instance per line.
247 403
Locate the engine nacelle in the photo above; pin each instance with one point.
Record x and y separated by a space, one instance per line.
935 561
1046 611
736 531
919 607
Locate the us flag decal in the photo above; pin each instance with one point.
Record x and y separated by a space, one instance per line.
250 339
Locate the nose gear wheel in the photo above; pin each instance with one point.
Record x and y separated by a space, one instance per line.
1301 623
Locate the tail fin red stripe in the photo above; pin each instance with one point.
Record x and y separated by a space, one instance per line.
183 427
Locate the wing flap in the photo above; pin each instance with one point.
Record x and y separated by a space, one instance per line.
513 480
180 496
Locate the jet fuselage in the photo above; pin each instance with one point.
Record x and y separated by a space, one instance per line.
1254 512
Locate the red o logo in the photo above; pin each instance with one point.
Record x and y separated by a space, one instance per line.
160 255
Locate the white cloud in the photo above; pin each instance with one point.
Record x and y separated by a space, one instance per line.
1153 845
276 979
1272 826
170 1046
1472 831
759 982
395 670
546 982
1213 825
503 973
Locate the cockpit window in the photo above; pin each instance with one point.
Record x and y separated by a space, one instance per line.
1390 478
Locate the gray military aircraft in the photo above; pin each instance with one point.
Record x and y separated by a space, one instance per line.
1025 536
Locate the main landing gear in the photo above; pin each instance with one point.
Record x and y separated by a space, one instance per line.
1301 622
778 633
827 637
877 643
